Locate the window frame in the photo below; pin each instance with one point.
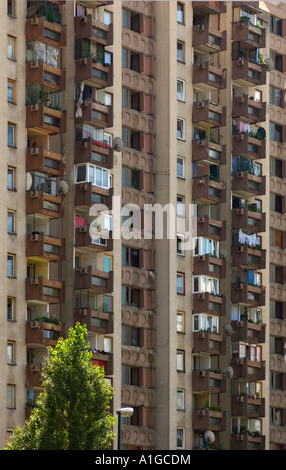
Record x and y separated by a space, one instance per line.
181 275
12 40
180 13
182 314
13 82
13 213
12 257
183 99
13 308
11 387
11 125
181 127
183 166
12 353
181 52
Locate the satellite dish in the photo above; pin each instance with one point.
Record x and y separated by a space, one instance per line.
118 144
269 63
29 181
209 437
63 187
262 132
228 329
229 372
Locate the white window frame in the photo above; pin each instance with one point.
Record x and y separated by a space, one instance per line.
183 160
181 404
205 322
182 129
210 285
204 246
95 169
182 97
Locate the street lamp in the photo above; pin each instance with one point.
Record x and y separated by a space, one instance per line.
125 413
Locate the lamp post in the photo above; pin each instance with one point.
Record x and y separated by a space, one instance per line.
125 413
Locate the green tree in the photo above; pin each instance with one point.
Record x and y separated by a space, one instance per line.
72 412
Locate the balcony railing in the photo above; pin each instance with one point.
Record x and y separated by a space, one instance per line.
211 228
247 108
245 184
248 146
97 243
244 441
44 290
94 73
39 29
247 369
43 246
208 342
87 194
41 159
209 381
209 76
244 293
52 78
207 39
248 35
100 282
248 257
209 419
210 8
209 265
208 191
96 114
248 73
88 28
245 218
48 120
204 150
49 205
42 332
95 320
244 405
210 113
206 302
247 331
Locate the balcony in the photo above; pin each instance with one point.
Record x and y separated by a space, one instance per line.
244 441
247 369
209 381
87 194
206 302
88 28
248 257
247 73
208 40
209 265
44 290
44 333
53 34
49 205
248 109
249 36
96 114
45 119
211 228
205 151
88 151
33 375
209 419
52 78
96 321
210 8
39 245
100 282
84 241
209 343
211 114
244 293
93 73
245 184
208 191
244 405
247 331
103 359
245 218
248 146
208 76
41 159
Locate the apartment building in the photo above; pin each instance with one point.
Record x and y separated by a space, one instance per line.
127 104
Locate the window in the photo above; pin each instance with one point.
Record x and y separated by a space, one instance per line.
180 283
180 90
11 178
206 246
276 167
93 174
180 13
130 336
108 263
11 396
180 167
130 257
180 399
11 301
180 245
11 134
275 96
180 321
275 25
10 352
180 206
10 265
205 284
206 323
11 88
275 132
180 360
180 438
11 7
180 51
11 46
130 177
180 129
278 61
11 215
107 17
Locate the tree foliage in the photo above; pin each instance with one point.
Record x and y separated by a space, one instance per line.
72 412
